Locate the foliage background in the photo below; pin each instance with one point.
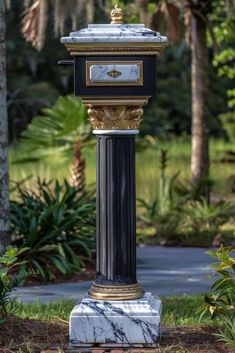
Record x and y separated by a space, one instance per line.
35 80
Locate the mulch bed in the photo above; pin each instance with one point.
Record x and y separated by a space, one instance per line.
32 336
35 336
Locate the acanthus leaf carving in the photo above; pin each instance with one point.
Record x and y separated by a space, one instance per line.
115 117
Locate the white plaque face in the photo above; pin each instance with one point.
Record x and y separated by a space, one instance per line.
114 73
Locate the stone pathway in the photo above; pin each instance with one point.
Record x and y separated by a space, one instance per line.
164 271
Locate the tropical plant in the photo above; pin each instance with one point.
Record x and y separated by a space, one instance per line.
166 201
4 187
162 213
178 214
200 216
10 278
61 129
57 224
189 191
220 302
149 211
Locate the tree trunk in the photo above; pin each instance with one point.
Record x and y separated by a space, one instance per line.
90 11
4 185
145 15
77 169
200 113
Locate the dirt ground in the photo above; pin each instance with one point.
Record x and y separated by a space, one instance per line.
34 336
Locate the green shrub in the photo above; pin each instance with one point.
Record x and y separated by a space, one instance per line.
187 190
10 278
183 222
161 214
179 214
164 225
205 219
220 302
57 224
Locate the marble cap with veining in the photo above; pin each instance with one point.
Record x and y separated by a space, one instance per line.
106 33
115 33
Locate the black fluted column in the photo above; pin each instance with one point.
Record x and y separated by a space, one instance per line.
116 218
116 247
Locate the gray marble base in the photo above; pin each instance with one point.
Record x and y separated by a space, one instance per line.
132 323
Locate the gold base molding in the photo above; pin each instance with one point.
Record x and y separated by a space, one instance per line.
115 292
114 117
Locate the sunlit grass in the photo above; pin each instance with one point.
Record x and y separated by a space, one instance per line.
147 166
177 310
51 311
184 310
179 154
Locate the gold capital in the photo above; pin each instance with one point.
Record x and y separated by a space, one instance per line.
116 15
115 117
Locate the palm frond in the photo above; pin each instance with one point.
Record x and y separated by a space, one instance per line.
56 130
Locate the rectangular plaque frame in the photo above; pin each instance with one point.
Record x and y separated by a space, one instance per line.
139 63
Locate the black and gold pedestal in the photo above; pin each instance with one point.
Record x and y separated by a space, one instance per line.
115 75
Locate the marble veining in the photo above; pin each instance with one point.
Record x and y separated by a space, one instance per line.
126 323
124 73
115 33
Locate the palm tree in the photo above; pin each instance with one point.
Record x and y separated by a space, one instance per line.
4 188
59 130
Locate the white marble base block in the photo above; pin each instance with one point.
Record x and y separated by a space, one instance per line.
131 323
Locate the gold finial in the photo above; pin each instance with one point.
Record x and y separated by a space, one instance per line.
116 15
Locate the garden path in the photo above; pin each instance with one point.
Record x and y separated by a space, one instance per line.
164 271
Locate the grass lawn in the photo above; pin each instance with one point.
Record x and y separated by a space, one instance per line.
183 310
44 328
147 166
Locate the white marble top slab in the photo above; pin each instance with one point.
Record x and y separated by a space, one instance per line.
113 33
